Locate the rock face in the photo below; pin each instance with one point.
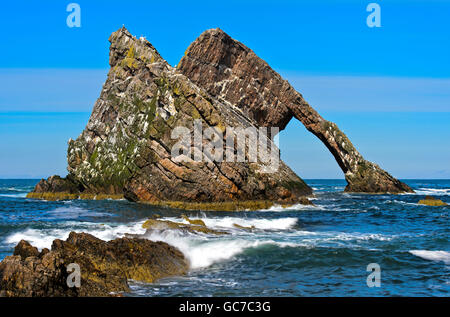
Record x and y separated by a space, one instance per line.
230 71
125 148
105 267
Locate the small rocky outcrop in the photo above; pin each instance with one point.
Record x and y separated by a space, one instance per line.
193 226
197 222
238 226
432 201
58 188
231 72
125 148
105 267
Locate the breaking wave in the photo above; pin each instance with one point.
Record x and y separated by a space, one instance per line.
443 256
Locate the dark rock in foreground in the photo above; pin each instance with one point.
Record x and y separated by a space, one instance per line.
232 72
105 266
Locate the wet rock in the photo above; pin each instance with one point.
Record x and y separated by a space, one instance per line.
156 224
232 72
58 188
198 222
24 249
105 267
432 201
243 227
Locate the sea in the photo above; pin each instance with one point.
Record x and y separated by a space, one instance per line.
344 245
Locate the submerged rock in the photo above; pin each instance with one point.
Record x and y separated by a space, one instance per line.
238 226
197 222
432 201
232 72
105 267
156 224
125 148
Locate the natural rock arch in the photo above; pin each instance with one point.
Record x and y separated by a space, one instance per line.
232 72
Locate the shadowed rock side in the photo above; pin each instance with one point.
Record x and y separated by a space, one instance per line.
105 267
231 72
126 145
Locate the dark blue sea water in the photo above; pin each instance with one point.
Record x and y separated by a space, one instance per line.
298 251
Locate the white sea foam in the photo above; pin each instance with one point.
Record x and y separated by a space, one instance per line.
430 191
443 256
37 237
203 252
21 195
279 208
43 238
258 223
401 202
13 189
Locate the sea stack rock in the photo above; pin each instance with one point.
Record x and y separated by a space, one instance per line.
230 71
126 146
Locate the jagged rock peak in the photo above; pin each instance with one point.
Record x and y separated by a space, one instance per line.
126 48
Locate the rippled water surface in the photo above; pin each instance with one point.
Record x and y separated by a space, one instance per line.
322 250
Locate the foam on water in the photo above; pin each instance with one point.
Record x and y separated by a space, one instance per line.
258 223
279 208
43 238
433 191
443 256
200 249
203 252
37 237
21 195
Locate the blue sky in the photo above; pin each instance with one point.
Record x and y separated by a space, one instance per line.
388 88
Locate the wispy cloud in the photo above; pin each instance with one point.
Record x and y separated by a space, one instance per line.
63 90
358 93
59 90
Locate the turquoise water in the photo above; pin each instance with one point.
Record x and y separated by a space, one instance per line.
298 251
